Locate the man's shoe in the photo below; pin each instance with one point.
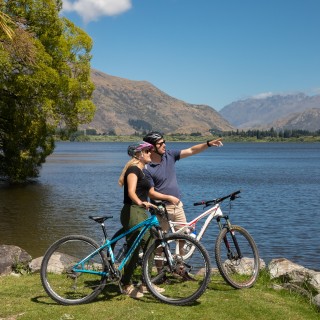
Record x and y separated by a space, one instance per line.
143 288
161 280
185 275
132 291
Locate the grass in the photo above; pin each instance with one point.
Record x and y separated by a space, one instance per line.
24 298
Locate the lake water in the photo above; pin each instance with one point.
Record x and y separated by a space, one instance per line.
279 204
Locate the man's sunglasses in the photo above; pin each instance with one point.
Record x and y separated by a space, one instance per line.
161 143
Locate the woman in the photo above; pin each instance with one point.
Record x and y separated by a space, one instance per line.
136 189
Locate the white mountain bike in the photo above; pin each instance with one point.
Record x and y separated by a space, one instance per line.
236 253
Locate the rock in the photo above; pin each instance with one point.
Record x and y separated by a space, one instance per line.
277 287
316 300
295 274
35 264
12 257
244 267
281 267
315 279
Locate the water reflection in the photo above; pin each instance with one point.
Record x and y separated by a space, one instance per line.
71 187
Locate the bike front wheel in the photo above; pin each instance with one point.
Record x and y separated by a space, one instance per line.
64 279
171 276
237 257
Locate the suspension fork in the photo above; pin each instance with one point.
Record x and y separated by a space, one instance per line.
167 252
228 226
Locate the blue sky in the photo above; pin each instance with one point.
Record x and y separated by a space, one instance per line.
206 51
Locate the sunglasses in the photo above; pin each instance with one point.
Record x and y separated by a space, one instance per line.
147 151
161 143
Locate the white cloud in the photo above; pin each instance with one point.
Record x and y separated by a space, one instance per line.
315 91
92 10
263 95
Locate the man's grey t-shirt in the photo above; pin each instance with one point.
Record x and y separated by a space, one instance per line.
162 176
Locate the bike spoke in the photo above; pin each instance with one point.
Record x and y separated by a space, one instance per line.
67 281
237 257
181 279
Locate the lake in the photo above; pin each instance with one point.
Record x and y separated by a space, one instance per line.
279 203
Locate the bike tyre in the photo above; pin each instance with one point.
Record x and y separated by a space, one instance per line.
238 273
175 285
70 250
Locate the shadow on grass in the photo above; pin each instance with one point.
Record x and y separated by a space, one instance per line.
218 284
110 292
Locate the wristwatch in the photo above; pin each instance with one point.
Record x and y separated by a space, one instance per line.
208 144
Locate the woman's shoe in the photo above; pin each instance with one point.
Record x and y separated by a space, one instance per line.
132 291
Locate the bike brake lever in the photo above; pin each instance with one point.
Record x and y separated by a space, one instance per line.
233 197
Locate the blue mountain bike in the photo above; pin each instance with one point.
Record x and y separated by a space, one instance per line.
75 269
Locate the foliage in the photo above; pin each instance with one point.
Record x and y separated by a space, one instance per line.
44 83
272 133
5 22
195 139
140 125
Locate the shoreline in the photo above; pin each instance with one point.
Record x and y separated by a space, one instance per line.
170 138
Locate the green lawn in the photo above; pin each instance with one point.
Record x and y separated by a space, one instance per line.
24 298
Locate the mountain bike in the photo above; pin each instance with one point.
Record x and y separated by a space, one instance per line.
236 253
75 269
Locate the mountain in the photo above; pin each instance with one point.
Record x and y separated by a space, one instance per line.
307 120
281 111
125 107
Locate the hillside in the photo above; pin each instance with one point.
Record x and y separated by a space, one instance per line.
307 120
295 111
125 107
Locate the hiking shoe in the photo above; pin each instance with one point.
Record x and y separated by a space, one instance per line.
132 291
161 280
143 288
186 276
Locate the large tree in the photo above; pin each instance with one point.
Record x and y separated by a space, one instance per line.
44 83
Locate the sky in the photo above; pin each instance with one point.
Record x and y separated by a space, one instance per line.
211 52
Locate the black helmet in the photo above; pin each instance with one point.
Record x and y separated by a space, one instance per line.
152 137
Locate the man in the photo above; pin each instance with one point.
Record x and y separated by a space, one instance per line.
162 174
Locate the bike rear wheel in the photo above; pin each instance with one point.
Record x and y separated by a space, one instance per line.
237 257
188 278
59 277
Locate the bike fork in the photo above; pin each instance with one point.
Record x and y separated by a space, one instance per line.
234 240
166 250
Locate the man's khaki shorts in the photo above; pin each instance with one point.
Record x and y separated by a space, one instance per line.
175 213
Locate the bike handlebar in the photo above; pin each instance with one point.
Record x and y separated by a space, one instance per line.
232 197
160 210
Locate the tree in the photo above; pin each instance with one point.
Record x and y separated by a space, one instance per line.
4 25
44 83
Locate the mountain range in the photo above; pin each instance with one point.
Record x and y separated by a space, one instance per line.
291 111
126 107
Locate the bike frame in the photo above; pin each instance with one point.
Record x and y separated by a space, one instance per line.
145 225
212 213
